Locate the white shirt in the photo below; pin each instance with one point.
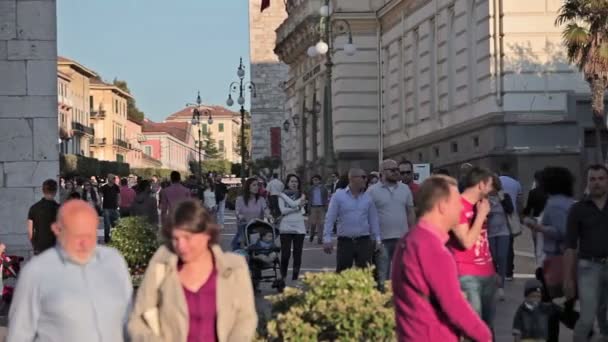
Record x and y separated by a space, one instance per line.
275 187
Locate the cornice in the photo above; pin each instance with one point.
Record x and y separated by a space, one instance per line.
293 43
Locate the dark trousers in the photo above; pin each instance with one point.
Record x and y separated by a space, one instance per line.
511 260
358 250
568 316
273 205
298 244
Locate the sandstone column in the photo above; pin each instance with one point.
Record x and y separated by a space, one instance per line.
29 151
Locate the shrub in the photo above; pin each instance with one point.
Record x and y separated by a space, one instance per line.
115 168
332 307
136 240
71 165
147 173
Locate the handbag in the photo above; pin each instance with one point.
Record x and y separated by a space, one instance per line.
554 276
514 224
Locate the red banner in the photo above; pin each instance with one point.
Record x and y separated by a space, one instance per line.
275 142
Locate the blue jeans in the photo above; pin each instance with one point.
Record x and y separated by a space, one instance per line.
110 216
383 260
592 296
480 293
499 247
237 240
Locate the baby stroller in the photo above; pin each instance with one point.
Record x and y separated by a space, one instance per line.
11 265
263 257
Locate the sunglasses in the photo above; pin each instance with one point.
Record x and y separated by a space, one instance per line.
406 172
396 169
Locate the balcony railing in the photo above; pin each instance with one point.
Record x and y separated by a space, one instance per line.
98 141
98 114
121 143
80 128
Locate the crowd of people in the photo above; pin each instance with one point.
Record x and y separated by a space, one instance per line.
446 245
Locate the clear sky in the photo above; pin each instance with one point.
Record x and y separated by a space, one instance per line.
166 50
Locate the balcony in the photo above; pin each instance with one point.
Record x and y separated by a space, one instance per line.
121 143
97 142
82 129
98 114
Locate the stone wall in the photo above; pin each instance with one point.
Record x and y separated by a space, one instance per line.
268 74
29 150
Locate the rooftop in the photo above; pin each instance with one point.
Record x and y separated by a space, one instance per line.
99 84
216 112
76 66
179 130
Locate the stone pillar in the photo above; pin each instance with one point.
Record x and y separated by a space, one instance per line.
29 149
268 74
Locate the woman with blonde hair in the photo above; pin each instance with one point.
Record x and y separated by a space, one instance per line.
192 291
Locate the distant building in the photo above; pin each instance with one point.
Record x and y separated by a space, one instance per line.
109 118
136 157
170 142
225 128
73 98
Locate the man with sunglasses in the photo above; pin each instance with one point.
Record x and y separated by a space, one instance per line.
395 204
358 227
406 170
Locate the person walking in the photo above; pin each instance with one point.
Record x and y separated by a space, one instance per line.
318 197
512 187
395 205
172 195
111 198
499 234
209 200
358 228
471 248
127 196
40 218
292 226
249 206
586 254
77 291
192 290
275 189
429 305
91 196
535 205
145 204
406 170
221 190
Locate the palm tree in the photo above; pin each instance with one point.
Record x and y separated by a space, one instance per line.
586 38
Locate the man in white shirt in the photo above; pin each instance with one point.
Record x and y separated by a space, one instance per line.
512 187
275 188
395 204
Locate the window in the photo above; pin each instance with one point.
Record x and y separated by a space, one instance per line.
115 106
420 156
221 145
148 150
91 103
204 128
436 149
120 158
476 141
454 147
220 127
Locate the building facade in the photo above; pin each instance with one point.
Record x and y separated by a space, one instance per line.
170 142
449 81
109 117
224 128
269 75
74 107
136 156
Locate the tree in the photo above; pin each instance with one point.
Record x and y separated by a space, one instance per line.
133 112
237 147
585 35
209 147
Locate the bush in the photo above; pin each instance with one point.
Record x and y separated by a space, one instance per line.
147 173
115 168
332 307
71 165
136 240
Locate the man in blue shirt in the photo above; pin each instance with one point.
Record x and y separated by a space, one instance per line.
74 292
357 220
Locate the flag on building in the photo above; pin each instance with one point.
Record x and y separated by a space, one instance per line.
265 5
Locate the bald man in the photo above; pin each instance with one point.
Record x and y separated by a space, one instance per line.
358 228
74 292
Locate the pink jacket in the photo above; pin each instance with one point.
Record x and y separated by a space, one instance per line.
429 305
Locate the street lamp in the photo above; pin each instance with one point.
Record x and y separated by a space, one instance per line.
324 47
197 112
240 87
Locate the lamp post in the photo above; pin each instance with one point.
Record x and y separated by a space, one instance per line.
197 112
325 47
239 87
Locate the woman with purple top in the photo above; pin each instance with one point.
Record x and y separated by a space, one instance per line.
249 206
192 291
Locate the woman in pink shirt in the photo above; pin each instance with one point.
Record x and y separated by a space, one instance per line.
429 305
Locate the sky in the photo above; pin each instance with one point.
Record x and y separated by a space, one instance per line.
166 50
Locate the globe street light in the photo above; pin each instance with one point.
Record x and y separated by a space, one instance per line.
325 47
239 87
197 111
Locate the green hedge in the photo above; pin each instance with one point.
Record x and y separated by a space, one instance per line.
71 165
147 173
